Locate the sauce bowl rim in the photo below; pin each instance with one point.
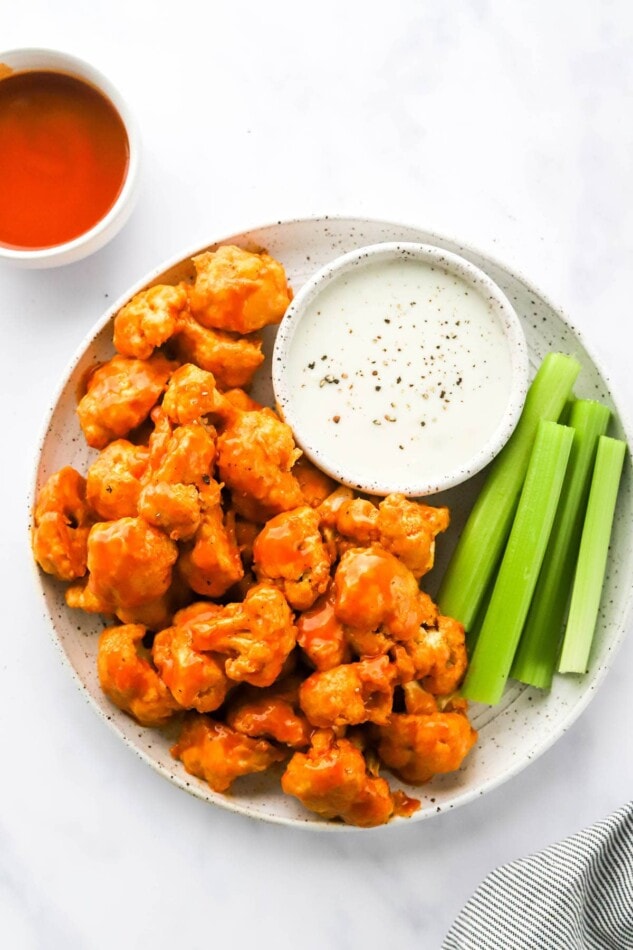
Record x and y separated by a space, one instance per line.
452 263
33 59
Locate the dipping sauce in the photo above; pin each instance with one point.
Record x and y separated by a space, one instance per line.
397 374
64 155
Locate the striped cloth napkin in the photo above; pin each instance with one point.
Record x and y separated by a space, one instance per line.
575 895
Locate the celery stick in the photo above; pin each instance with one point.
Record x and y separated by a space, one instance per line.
592 557
482 541
522 559
537 654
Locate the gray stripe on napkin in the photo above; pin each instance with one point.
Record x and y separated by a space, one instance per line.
574 895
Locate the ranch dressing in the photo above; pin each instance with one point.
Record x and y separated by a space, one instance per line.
398 372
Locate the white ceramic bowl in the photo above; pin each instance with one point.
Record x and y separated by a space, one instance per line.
527 721
414 319
26 60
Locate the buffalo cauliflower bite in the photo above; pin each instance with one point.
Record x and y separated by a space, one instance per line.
130 562
232 359
192 394
120 396
196 680
256 452
405 528
114 480
256 636
218 754
315 485
331 779
175 509
62 521
238 290
148 320
374 590
129 680
350 694
408 529
271 713
436 656
424 741
210 563
185 454
289 552
322 636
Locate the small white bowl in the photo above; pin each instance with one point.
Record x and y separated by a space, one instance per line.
400 367
27 60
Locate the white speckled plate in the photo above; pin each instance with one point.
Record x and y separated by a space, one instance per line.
526 722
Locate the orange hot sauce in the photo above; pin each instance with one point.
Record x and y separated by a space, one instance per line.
64 155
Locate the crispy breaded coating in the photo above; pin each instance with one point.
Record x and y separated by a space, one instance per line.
321 635
175 509
197 680
62 521
256 453
374 590
331 779
290 553
218 754
180 455
418 745
120 396
350 694
114 480
271 713
130 562
148 320
257 636
192 394
238 290
436 656
129 680
315 485
232 359
408 529
211 563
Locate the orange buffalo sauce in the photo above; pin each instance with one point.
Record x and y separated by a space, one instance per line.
64 155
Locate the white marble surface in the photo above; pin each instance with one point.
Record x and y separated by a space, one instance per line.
504 122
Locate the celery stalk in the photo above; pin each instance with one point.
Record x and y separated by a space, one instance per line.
484 536
536 657
592 556
497 641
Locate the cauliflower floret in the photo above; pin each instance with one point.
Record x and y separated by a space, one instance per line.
232 359
331 779
148 320
256 452
289 552
271 713
62 522
350 694
257 636
374 590
218 754
130 562
114 480
128 679
321 635
417 745
196 680
120 396
237 290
